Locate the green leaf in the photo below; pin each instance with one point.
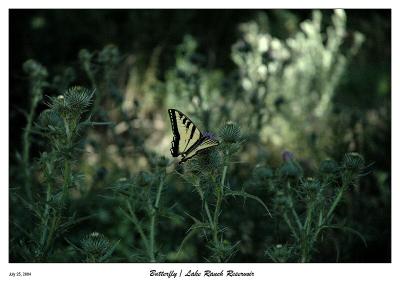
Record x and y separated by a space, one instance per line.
350 230
191 232
248 195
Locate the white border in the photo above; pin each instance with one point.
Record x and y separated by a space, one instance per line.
137 273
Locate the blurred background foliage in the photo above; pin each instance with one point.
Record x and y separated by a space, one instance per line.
314 82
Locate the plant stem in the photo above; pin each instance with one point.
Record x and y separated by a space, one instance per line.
293 210
153 220
216 215
217 211
296 217
304 255
49 241
223 177
322 221
210 220
46 216
67 173
67 164
135 222
306 242
220 192
335 203
27 143
57 216
308 221
287 220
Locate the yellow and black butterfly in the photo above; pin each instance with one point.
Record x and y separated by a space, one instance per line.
188 139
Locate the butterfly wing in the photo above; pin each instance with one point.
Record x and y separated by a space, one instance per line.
203 144
188 140
186 134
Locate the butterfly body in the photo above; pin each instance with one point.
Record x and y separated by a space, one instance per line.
188 139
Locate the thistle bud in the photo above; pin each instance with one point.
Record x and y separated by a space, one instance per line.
353 162
280 252
144 178
230 132
289 170
95 245
77 99
311 185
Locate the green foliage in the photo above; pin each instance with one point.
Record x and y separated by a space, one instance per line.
290 82
37 79
141 196
279 81
62 125
317 198
208 174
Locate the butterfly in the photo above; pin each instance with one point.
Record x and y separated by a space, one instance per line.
188 139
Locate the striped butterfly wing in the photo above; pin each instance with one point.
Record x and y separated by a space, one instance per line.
185 133
188 140
202 144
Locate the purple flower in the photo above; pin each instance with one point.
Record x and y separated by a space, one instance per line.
209 135
287 156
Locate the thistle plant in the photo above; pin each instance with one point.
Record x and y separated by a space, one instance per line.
141 196
308 205
37 79
63 125
95 247
281 78
280 253
208 173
